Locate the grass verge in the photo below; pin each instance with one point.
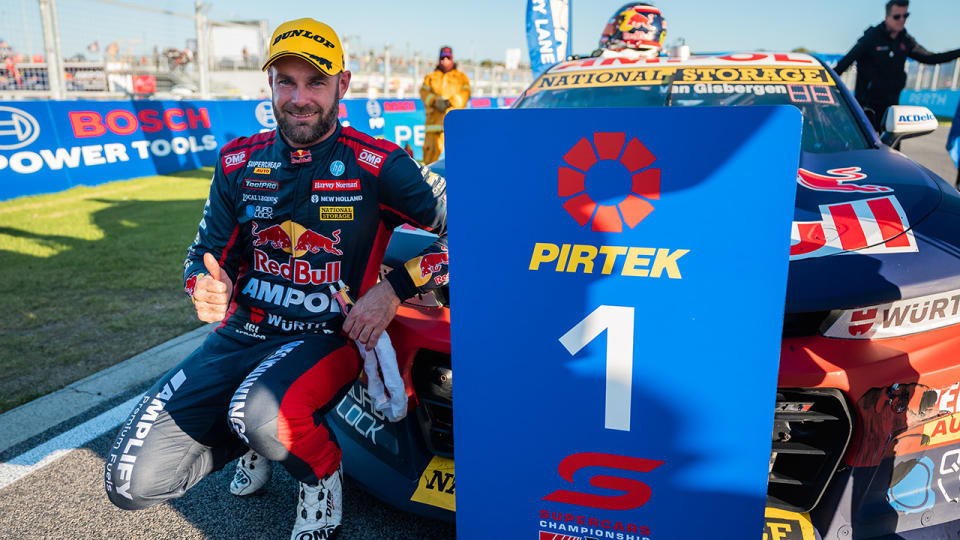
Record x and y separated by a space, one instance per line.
92 276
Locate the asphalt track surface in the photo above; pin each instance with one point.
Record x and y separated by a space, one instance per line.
51 463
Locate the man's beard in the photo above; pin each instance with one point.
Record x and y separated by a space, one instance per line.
307 134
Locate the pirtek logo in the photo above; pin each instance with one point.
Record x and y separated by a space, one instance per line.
634 158
305 34
580 258
235 159
371 158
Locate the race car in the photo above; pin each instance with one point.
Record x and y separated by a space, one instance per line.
866 436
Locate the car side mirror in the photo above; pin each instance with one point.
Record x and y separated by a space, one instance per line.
906 121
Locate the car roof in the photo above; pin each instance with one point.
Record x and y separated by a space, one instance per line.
736 59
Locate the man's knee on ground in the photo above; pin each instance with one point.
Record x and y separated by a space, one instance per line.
253 418
122 492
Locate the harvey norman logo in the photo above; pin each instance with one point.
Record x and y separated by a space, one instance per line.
17 128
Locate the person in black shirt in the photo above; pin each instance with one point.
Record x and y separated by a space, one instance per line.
880 55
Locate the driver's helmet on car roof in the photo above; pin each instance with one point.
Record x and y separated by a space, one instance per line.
637 27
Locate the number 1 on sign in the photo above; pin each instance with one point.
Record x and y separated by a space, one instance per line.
618 322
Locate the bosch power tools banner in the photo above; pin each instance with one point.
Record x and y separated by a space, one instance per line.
49 146
619 278
548 32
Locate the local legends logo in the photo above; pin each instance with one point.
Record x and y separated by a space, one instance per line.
605 180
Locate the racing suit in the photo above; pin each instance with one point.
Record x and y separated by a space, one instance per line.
880 75
454 87
284 224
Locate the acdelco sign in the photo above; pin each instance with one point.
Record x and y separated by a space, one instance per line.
17 128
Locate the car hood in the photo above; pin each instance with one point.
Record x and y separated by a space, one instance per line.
854 241
854 238
855 201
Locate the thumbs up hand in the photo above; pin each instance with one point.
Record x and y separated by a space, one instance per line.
212 292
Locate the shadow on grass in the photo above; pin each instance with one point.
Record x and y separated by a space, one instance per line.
93 303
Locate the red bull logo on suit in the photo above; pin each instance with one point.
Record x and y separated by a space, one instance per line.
295 239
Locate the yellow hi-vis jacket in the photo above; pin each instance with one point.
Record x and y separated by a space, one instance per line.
454 86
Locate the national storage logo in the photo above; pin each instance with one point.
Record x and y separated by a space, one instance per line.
17 128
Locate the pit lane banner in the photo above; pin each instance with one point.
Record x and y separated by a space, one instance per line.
549 27
50 146
617 325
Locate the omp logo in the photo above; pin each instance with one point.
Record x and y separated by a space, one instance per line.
371 158
17 128
235 159
606 179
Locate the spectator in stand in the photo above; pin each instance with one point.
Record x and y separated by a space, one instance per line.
880 55
443 89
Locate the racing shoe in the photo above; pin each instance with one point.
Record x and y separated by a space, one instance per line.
253 472
319 509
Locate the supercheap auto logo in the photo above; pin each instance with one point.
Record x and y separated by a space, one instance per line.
603 164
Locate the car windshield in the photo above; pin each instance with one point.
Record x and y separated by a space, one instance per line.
828 123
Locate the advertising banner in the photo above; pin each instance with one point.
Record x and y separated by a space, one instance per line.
49 146
548 32
616 336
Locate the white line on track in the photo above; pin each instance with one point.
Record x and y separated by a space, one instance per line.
59 446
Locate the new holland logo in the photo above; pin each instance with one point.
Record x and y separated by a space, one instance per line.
602 170
17 128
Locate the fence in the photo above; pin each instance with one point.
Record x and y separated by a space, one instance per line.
135 50
51 49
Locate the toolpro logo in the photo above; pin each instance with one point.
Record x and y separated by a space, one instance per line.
608 183
17 128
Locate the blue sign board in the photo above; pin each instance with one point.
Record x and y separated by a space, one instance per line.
49 146
618 282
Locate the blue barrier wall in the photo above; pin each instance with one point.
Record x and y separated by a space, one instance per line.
942 103
49 146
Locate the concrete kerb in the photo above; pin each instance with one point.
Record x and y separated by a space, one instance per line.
39 415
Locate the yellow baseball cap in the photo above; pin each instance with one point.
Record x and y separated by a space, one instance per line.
309 39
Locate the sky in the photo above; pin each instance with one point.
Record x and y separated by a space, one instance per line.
485 29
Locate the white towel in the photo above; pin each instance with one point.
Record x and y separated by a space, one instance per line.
383 356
